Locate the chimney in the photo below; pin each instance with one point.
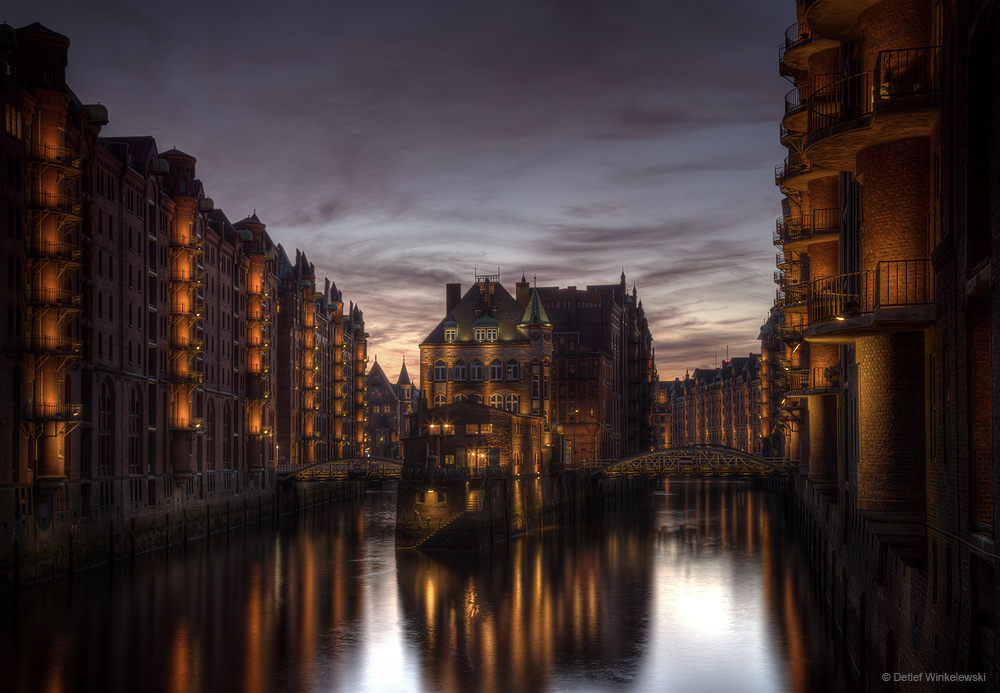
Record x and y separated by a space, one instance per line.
453 294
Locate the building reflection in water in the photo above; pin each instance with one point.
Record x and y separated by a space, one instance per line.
705 589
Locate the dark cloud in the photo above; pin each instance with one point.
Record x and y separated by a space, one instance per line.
402 144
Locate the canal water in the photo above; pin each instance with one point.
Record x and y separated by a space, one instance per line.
706 589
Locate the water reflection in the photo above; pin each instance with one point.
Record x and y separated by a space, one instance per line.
702 590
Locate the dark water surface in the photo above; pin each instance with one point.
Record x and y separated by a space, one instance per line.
707 590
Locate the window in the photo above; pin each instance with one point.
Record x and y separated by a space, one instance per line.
105 441
440 370
496 401
471 429
460 370
496 370
449 334
513 372
512 403
439 400
476 370
460 397
486 428
134 431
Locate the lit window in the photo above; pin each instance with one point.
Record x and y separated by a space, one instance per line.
486 428
496 401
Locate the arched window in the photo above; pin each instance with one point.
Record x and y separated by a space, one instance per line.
496 370
512 403
227 437
440 370
105 424
478 399
460 370
460 397
496 401
476 370
134 432
513 373
438 400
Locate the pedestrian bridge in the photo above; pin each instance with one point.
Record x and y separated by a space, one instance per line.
698 460
374 468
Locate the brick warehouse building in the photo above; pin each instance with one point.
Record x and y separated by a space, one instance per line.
148 376
879 369
388 406
580 360
713 406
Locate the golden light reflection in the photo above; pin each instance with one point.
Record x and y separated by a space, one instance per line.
798 663
253 668
180 658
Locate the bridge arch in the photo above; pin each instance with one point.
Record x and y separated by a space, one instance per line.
332 470
696 460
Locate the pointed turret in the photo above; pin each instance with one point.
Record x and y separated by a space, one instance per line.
534 313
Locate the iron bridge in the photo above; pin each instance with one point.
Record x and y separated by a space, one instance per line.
374 468
704 461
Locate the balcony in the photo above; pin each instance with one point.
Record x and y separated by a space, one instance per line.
193 243
43 411
796 172
55 345
795 232
897 296
53 298
899 98
254 320
189 378
54 203
258 343
52 250
794 52
791 298
787 330
806 381
195 276
786 263
188 309
181 424
187 344
61 156
796 113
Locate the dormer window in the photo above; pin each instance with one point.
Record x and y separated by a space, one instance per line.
486 334
449 334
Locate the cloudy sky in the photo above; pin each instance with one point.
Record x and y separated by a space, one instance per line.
404 144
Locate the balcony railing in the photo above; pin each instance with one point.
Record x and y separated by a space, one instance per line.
191 309
52 297
54 345
790 295
187 344
897 73
786 330
187 424
189 243
191 377
783 261
794 165
792 102
805 379
52 202
892 284
195 276
795 227
56 155
53 250
44 411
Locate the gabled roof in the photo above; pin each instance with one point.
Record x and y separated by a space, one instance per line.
474 305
